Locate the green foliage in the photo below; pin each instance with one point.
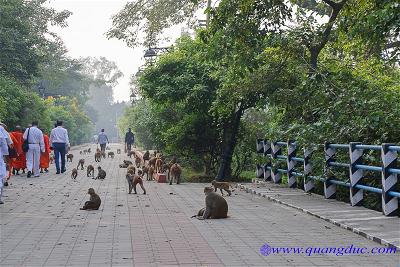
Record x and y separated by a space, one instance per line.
19 106
151 18
25 37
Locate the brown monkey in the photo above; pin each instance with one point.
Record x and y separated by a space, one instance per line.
131 168
137 161
90 171
159 164
146 156
51 159
176 172
216 206
97 156
138 179
110 154
70 157
152 161
150 176
118 151
145 170
74 173
128 162
81 162
101 173
131 153
94 202
222 185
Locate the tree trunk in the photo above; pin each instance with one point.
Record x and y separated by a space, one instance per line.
225 170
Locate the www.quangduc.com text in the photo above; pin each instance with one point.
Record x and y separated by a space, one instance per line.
338 251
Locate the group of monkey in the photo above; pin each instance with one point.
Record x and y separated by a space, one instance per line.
101 174
216 207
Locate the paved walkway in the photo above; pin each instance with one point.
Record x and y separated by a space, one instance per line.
369 223
41 225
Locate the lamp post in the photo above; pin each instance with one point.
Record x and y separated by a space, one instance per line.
154 51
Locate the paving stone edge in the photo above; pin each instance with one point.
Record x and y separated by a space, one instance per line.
342 225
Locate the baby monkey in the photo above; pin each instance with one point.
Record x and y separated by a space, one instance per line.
74 173
90 171
80 163
222 185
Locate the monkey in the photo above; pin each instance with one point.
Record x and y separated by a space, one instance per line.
138 179
132 169
172 162
131 153
90 171
97 156
216 206
128 162
150 176
70 157
137 161
80 152
222 185
101 173
94 202
159 164
81 162
129 178
110 154
118 151
51 159
152 161
146 156
89 151
176 172
74 173
85 151
145 170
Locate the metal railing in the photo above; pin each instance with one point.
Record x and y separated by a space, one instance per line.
289 165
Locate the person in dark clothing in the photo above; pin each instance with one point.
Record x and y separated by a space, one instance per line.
129 139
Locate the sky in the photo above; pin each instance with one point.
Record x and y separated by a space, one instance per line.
85 36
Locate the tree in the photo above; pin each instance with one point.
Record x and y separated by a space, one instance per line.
152 18
25 36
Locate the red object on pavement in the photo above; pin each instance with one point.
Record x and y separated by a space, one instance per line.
160 177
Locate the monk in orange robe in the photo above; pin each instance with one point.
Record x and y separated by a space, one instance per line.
45 156
20 162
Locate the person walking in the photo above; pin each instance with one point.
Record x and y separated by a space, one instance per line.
59 141
129 139
36 145
20 162
3 156
102 139
45 157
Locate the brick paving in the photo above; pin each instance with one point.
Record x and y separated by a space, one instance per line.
41 225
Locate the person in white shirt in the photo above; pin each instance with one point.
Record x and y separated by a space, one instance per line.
59 141
102 139
3 154
36 145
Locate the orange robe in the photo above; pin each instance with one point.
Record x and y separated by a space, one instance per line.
20 161
45 157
